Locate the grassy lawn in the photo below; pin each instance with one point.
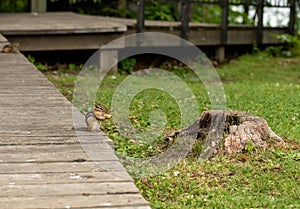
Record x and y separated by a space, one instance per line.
260 84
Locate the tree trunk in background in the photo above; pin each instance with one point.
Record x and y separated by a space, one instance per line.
246 11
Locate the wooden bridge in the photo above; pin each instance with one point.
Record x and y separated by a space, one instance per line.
42 164
70 31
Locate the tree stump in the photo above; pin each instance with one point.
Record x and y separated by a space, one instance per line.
234 129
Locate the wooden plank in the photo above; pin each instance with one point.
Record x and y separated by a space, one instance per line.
60 167
63 42
26 90
238 36
56 101
35 125
64 132
32 132
57 156
55 23
16 69
80 201
43 149
7 59
205 37
87 189
27 138
53 98
211 36
34 109
62 117
25 83
268 35
62 178
17 76
37 140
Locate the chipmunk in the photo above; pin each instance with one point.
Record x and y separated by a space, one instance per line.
98 114
10 48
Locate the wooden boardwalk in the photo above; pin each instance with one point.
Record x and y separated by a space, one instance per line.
42 164
70 31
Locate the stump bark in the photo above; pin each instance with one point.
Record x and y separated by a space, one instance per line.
233 130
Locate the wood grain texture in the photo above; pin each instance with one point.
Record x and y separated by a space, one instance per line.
43 162
102 188
74 201
55 23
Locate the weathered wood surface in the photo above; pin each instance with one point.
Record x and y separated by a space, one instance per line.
70 31
55 23
203 34
58 30
68 201
42 163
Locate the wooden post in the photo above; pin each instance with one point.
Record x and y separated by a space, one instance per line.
220 54
140 16
292 17
107 58
260 14
220 51
39 6
185 18
224 23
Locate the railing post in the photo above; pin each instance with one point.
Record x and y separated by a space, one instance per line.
185 18
220 50
260 14
224 23
140 16
292 17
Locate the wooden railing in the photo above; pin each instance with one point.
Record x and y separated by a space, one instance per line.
259 4
40 6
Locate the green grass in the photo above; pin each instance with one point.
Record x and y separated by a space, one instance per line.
268 87
243 181
261 84
64 79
